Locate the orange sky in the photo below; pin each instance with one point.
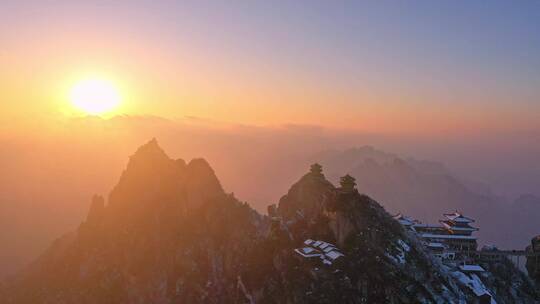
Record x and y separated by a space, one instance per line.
177 65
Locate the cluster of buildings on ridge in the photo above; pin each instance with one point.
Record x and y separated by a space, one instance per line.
453 242
452 239
326 252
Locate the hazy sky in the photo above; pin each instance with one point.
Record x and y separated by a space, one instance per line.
386 66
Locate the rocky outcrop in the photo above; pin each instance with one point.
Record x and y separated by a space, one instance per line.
170 234
306 198
533 262
382 265
167 233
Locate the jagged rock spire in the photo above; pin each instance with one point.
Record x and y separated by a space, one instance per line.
150 151
348 183
153 181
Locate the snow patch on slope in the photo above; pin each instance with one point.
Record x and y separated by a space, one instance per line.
399 257
474 283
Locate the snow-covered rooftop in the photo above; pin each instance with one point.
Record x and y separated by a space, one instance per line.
308 249
325 251
458 217
456 228
471 268
308 252
436 245
324 245
421 225
405 220
447 236
328 249
333 255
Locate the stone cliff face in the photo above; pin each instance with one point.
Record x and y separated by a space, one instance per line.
533 262
168 233
381 265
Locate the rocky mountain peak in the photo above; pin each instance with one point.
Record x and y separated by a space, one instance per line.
169 234
149 153
154 183
199 169
307 197
150 173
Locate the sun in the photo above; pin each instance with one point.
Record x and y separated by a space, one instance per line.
95 96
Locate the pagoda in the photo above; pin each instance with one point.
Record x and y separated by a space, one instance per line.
458 224
348 183
316 170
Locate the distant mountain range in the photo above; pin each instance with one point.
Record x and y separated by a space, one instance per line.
426 190
48 176
169 233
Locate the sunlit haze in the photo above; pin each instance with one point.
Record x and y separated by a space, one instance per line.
95 96
416 67
432 106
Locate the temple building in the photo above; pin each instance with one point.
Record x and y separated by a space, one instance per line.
405 221
456 233
316 170
325 252
459 243
458 224
348 183
453 235
427 228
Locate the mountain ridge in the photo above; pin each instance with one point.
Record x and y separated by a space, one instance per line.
170 234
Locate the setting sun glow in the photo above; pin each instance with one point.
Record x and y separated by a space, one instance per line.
95 96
